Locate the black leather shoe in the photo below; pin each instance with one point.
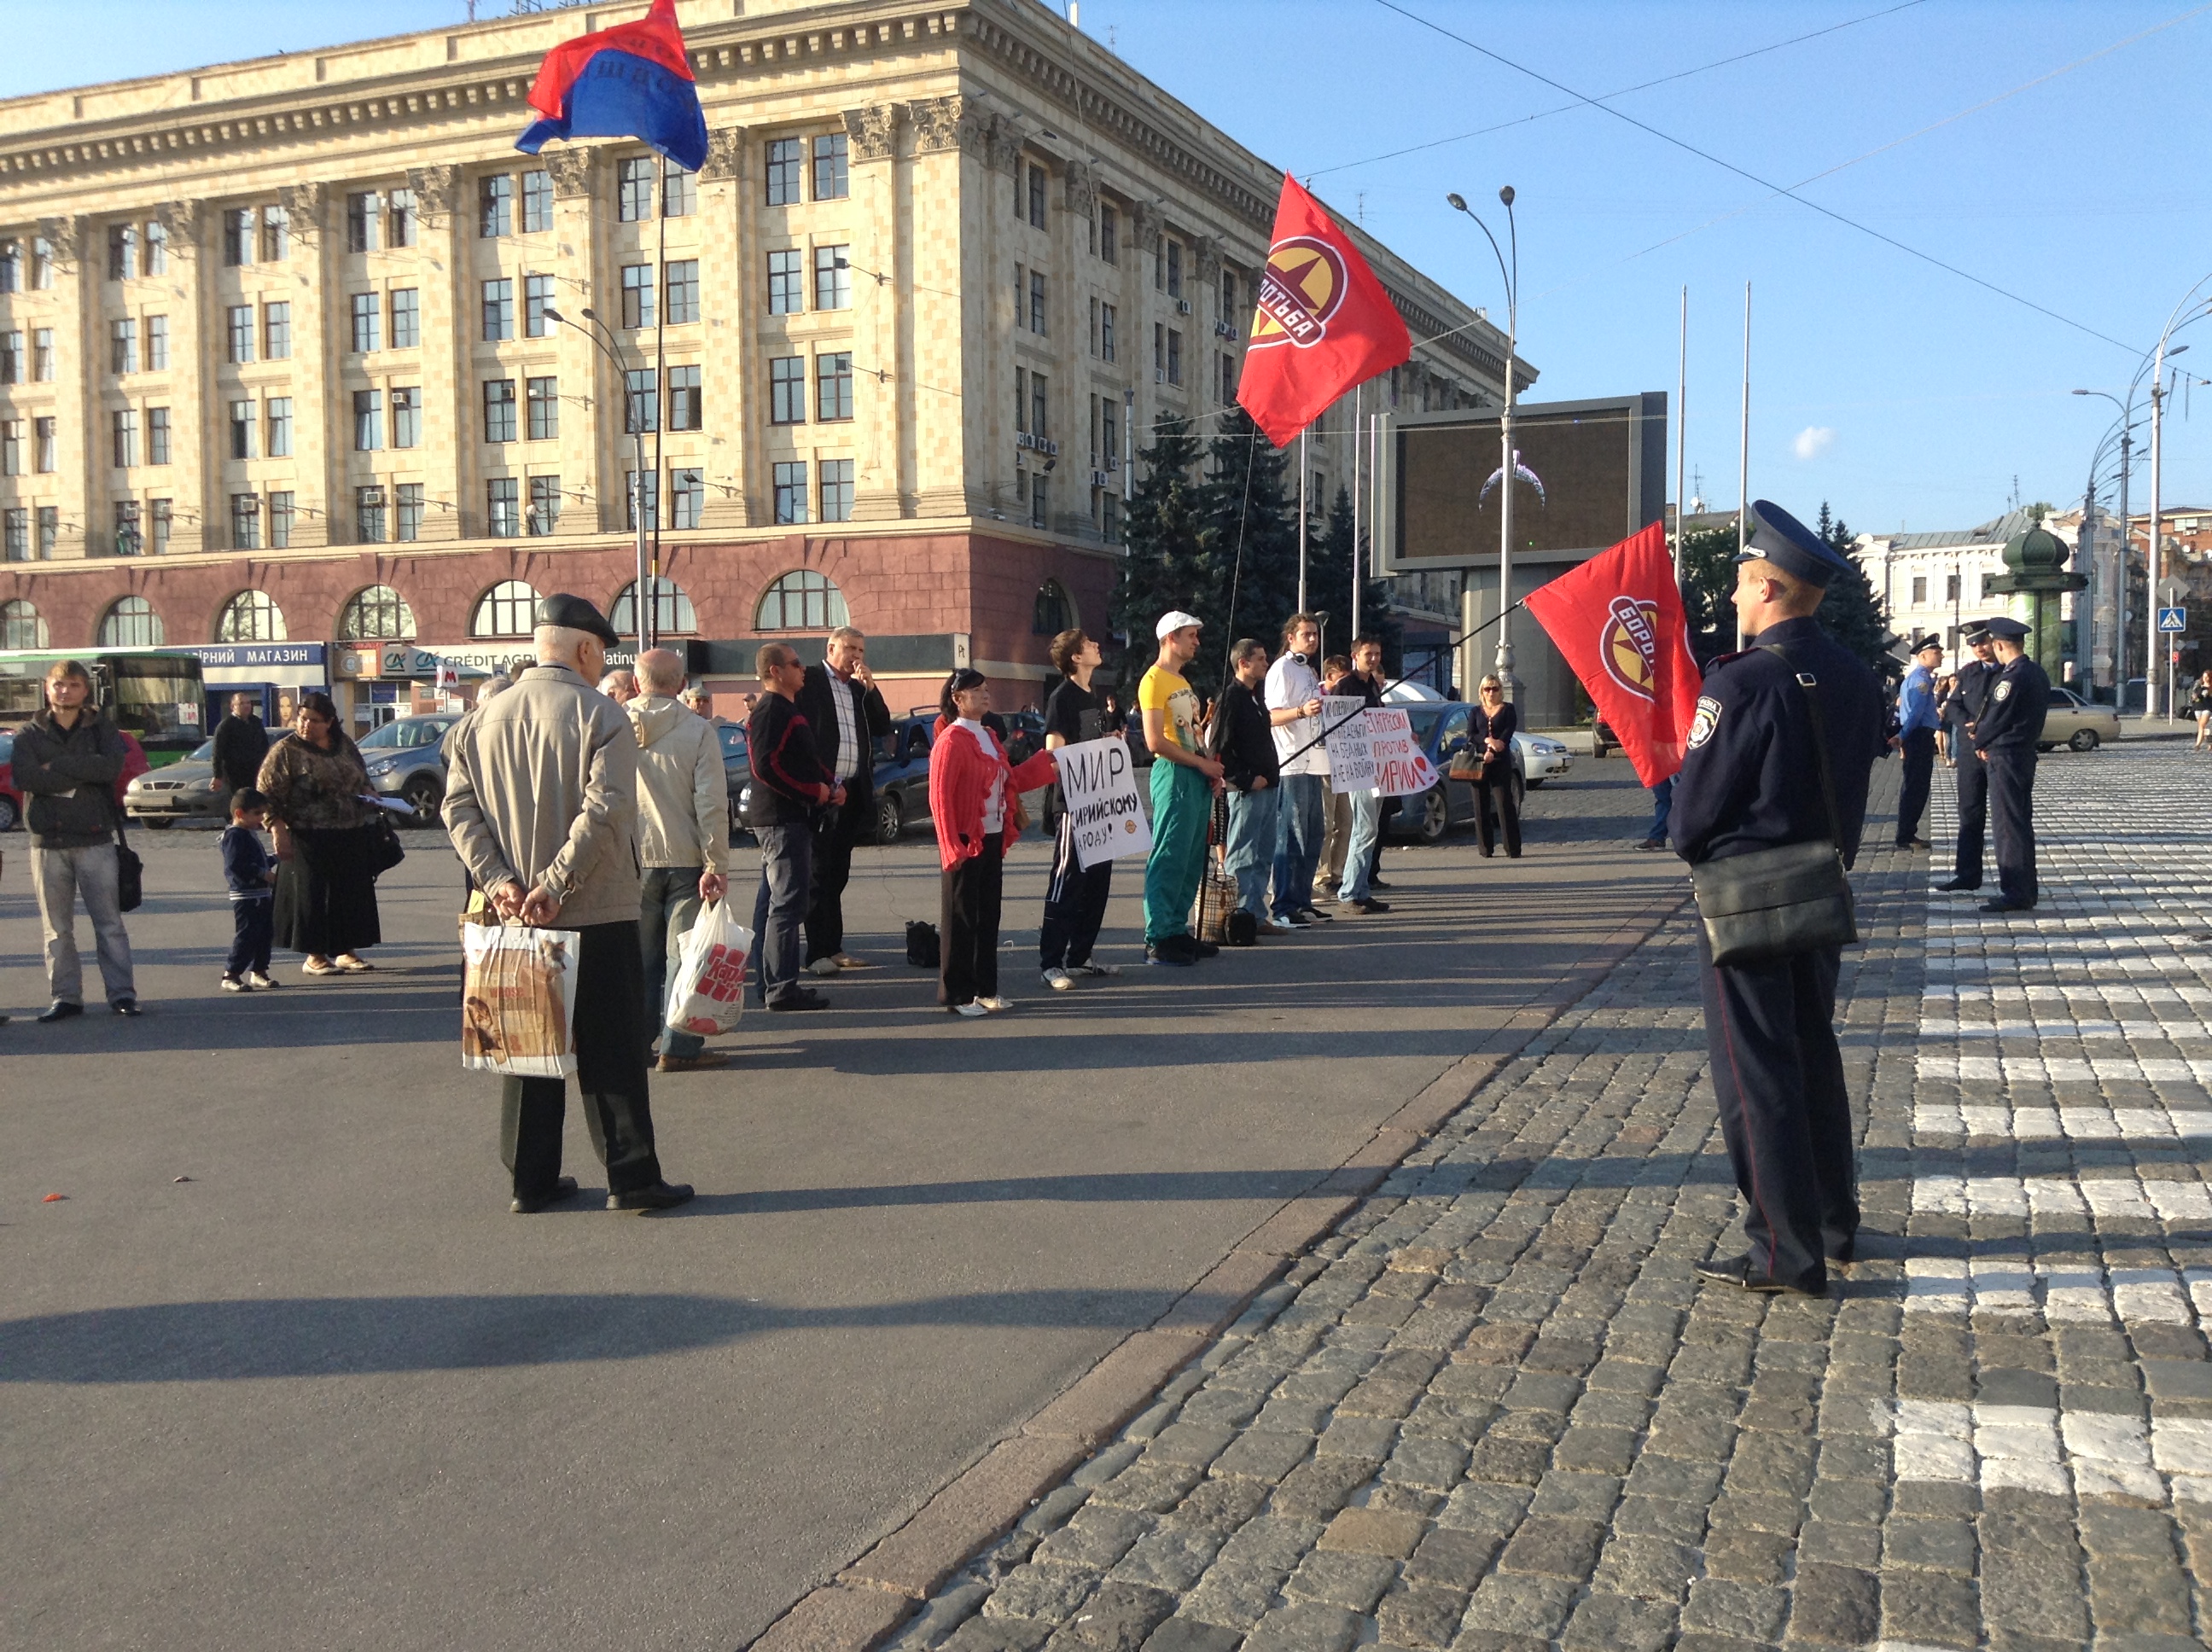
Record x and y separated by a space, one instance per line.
1204 950
62 1011
1913 843
1955 885
126 1006
661 1196
564 1188
801 999
1368 906
1738 1270
1377 882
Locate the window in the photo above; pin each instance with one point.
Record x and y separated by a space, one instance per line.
1175 269
637 295
649 483
790 493
50 527
544 410
407 415
408 521
1175 356
499 410
364 223
634 189
1037 499
787 296
241 317
11 268
1039 403
1919 590
368 515
11 358
687 497
157 249
1229 298
42 445
275 234
368 323
245 521
1022 400
682 279
833 278
495 206
126 442
508 610
545 505
123 346
42 354
406 318
835 478
241 430
832 161
801 600
1950 588
11 447
673 613
784 161
376 613
537 201
1109 434
276 330
1036 302
17 545
1036 194
644 386
537 293
686 399
122 252
787 390
20 626
251 616
129 541
1106 317
157 435
132 622
401 218
498 311
1052 612
679 193
1228 378
833 386
503 507
1160 352
278 411
280 520
368 421
238 237
157 344
1109 227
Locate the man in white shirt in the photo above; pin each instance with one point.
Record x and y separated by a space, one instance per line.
845 712
1293 698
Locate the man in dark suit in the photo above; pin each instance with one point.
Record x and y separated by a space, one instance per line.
240 743
845 710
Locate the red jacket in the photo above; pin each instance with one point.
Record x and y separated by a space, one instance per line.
960 774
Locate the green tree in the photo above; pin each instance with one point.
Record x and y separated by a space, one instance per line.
1255 523
1174 559
1850 612
1708 578
1328 589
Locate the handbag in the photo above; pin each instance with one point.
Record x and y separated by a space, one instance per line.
1775 903
385 849
130 872
924 950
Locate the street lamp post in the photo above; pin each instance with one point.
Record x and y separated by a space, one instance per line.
2120 593
1510 271
643 595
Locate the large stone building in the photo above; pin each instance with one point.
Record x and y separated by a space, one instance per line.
276 363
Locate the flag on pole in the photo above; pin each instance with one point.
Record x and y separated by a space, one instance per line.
630 81
1322 323
1618 620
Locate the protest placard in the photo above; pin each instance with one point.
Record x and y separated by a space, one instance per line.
1402 769
1099 781
1351 759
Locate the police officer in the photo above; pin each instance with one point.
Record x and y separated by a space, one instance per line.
1751 779
1969 695
1916 737
2004 742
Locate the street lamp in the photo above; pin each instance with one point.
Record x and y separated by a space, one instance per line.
644 593
1510 271
2153 648
2120 595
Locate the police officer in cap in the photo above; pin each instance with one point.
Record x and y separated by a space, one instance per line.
1916 723
1964 707
1750 780
2004 744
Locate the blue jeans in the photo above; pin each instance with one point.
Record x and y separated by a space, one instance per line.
1303 820
1254 817
779 908
671 907
1359 860
1663 807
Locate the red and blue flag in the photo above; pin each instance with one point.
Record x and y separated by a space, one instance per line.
631 81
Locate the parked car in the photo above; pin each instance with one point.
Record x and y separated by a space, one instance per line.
1442 729
1602 739
737 770
188 789
11 800
2073 721
902 777
406 759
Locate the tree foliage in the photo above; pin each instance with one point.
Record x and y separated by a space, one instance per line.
1172 560
1328 590
1850 612
1255 517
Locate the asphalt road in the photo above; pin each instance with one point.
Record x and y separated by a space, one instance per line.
281 1370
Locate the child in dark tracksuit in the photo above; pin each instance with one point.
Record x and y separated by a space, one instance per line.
251 871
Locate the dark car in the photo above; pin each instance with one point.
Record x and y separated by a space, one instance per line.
737 770
1442 731
902 775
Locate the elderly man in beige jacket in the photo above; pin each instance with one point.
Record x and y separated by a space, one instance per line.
683 837
541 803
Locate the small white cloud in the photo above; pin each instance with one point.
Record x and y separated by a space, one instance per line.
1813 440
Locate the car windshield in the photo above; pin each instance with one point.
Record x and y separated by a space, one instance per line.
1424 720
733 741
406 734
203 752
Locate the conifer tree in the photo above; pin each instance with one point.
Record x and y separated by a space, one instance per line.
1255 523
1173 560
1328 589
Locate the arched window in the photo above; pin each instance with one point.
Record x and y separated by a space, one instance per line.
251 616
132 624
20 626
509 608
801 600
672 613
1054 610
377 614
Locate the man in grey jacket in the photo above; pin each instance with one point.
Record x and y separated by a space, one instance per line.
68 758
683 836
541 803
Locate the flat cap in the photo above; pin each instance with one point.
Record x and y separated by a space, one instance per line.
1173 621
1773 534
2011 629
576 615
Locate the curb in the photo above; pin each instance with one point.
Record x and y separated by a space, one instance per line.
873 1596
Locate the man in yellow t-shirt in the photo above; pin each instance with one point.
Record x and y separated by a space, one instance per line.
1184 781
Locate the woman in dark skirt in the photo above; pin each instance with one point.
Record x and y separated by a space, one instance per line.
326 841
1493 724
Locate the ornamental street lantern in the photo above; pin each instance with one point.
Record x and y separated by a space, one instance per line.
2035 563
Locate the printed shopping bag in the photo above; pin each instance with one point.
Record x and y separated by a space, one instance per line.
708 992
518 1000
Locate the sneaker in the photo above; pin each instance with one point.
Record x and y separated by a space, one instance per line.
262 979
995 1005
1166 952
1097 971
1205 949
1059 980
972 1010
822 967
233 984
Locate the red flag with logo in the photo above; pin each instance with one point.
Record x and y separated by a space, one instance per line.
1322 324
1618 620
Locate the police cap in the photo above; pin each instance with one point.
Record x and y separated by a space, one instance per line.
1926 643
2010 629
1974 633
576 615
1772 533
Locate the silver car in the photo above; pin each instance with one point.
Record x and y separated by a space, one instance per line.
406 759
189 789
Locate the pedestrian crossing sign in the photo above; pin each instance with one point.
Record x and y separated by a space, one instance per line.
2173 619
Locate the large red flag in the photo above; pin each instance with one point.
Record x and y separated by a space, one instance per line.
1323 323
1618 620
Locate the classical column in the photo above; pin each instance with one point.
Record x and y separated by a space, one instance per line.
186 480
731 278
322 506
591 396
960 436
82 425
883 390
449 327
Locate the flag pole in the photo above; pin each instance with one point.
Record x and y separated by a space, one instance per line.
1302 521
1356 399
652 593
1743 462
1682 437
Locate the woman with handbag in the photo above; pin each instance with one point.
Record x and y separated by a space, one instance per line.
2200 705
1490 738
975 802
330 843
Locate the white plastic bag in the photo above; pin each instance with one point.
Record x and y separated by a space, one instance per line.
707 994
518 1000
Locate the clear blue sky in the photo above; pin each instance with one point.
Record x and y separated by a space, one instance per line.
1901 393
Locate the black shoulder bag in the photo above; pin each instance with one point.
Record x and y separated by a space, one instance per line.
130 870
1775 903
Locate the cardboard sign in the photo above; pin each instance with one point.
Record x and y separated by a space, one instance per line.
1351 755
1402 769
1104 811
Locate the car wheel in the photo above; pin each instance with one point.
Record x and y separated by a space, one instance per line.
890 819
423 794
1436 816
1530 785
156 822
2085 739
8 815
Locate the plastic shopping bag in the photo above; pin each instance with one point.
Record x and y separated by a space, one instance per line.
518 1000
708 992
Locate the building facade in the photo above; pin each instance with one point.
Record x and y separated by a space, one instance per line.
1930 584
297 350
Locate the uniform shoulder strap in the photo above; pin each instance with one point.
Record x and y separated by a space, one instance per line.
1806 683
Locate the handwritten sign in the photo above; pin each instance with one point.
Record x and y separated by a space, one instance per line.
1402 769
1351 755
1107 817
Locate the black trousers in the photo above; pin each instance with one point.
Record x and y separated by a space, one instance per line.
968 965
835 834
1498 794
252 934
1779 1077
2012 807
1973 811
1912 791
1075 904
610 1035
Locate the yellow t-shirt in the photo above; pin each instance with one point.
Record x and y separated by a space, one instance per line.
1163 692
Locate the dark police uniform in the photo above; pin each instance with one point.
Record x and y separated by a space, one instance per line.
2005 735
1970 696
1750 780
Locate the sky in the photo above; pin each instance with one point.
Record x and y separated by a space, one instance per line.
1903 394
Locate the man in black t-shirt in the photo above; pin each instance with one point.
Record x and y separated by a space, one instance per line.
1074 898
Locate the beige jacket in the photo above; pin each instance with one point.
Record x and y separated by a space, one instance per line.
683 792
541 788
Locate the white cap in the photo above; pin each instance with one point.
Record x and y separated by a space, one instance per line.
1175 620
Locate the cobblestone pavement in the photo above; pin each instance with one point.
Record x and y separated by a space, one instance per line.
1495 1409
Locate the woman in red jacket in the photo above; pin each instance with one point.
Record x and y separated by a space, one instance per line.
972 799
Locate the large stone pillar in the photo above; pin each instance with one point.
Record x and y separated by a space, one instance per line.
592 395
322 430
449 328
731 298
80 414
883 390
